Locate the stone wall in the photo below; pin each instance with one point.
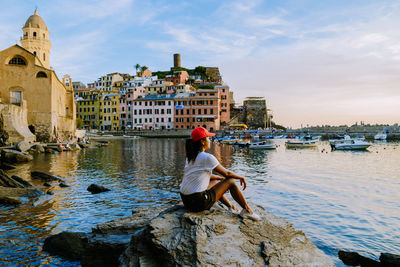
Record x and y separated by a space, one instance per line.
14 123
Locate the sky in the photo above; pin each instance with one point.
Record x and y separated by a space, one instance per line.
315 62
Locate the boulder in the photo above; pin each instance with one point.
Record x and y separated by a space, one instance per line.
23 146
13 201
217 237
13 156
90 249
67 245
45 177
21 181
75 147
390 260
355 259
7 181
128 225
5 166
38 149
20 192
95 189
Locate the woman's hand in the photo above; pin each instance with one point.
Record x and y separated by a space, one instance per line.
243 182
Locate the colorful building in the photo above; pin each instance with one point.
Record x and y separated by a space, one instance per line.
153 112
109 111
87 107
125 105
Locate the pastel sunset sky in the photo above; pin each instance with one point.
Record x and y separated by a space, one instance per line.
316 62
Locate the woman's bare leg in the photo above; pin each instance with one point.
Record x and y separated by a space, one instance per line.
229 184
223 198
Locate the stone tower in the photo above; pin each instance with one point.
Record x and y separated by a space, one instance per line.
35 38
177 60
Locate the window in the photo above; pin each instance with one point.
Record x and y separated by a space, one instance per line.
34 34
44 57
162 119
193 111
205 111
187 112
211 111
16 98
199 111
17 61
41 74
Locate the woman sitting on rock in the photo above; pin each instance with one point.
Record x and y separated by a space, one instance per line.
200 189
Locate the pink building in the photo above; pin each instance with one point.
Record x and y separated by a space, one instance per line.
126 105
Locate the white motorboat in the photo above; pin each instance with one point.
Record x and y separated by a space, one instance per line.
380 136
351 144
304 142
339 138
262 145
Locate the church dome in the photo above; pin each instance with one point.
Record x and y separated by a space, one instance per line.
35 21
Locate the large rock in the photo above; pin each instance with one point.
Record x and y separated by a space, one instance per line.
7 181
355 259
23 146
20 192
390 260
90 249
95 189
128 225
219 238
13 156
45 177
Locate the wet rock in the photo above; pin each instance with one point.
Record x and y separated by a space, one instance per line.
21 181
13 156
390 260
95 189
75 147
20 192
49 192
355 259
6 166
13 201
91 250
38 149
46 184
7 181
45 177
63 185
23 146
128 225
220 238
67 245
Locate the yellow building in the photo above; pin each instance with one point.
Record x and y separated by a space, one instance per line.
26 80
109 111
87 107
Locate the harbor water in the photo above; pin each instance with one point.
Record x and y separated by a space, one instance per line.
341 199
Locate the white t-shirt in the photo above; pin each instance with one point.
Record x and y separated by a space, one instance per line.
197 174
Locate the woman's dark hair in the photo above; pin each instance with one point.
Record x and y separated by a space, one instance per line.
192 149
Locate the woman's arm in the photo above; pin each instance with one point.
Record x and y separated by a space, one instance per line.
216 177
228 174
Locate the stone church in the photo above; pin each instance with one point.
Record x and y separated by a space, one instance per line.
34 102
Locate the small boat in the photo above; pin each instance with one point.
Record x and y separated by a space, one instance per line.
304 142
339 138
130 136
380 136
351 144
262 145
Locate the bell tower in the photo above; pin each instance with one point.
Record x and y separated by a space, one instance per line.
35 38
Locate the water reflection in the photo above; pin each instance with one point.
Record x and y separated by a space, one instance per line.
347 200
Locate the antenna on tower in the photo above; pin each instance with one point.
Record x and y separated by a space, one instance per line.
35 9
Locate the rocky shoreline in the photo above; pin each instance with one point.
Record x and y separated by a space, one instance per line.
159 236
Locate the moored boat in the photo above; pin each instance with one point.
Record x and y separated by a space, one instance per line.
380 136
304 142
351 144
262 145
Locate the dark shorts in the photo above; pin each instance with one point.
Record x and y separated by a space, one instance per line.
199 201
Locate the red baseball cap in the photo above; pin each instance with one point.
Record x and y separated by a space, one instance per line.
199 133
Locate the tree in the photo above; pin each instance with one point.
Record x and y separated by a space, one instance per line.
143 69
137 66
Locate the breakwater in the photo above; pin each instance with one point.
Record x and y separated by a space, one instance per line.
393 132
